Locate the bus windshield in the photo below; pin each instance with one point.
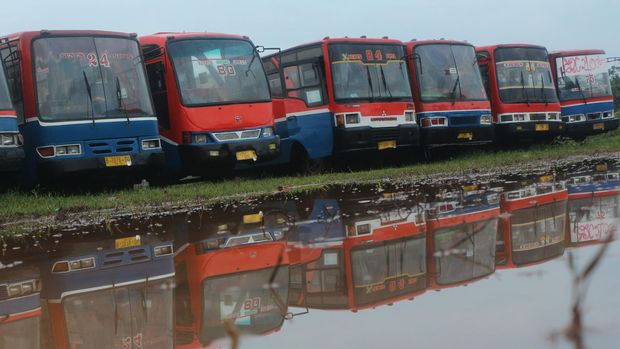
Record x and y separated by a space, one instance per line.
465 252
20 334
217 71
581 77
448 72
5 97
369 72
400 262
538 232
248 299
593 219
82 78
140 315
524 75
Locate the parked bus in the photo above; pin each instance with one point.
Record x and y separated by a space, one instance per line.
451 103
520 86
110 293
340 95
584 89
380 260
20 307
532 228
212 100
231 271
593 207
82 103
11 150
462 231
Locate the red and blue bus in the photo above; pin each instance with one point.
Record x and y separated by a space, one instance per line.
450 99
340 95
520 86
380 259
235 272
532 226
593 207
584 90
110 293
11 150
212 100
20 307
82 102
462 231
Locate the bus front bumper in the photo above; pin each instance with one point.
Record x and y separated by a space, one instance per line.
368 138
58 167
447 136
528 130
11 159
587 128
199 157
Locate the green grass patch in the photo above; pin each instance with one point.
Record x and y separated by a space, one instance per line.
37 203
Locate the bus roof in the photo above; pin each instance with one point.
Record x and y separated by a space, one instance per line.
328 40
29 35
412 43
161 37
492 48
576 53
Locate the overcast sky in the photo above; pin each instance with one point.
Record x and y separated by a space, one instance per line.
556 24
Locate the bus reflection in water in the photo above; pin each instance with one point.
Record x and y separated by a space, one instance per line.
533 224
380 258
462 230
20 307
593 206
233 268
109 293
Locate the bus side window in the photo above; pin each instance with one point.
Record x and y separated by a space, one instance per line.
303 81
12 63
484 73
157 82
275 85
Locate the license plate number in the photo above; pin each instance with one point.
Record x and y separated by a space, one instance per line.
122 160
542 127
465 135
386 145
599 126
246 155
127 242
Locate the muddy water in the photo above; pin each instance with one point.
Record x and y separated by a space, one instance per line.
462 264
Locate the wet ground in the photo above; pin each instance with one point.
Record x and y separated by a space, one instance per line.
467 262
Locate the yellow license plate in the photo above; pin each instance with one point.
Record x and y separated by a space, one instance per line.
600 126
253 218
386 145
122 160
542 127
127 242
246 155
465 135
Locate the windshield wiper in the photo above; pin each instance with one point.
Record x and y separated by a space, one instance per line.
385 85
115 308
90 97
119 99
583 96
527 97
542 90
145 300
453 92
372 92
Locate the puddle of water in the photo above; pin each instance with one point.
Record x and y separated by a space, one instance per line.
458 264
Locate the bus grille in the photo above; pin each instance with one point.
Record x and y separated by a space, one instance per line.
379 134
465 120
4 292
112 146
125 257
538 117
594 116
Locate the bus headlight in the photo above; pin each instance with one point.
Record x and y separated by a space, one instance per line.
410 116
352 118
518 117
160 251
9 139
149 144
485 119
434 121
200 138
267 132
67 266
608 114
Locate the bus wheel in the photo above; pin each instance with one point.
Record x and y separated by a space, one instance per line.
303 164
428 153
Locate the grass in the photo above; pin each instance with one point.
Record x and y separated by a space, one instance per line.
36 204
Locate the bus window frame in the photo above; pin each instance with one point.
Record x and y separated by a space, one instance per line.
16 89
160 69
317 61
